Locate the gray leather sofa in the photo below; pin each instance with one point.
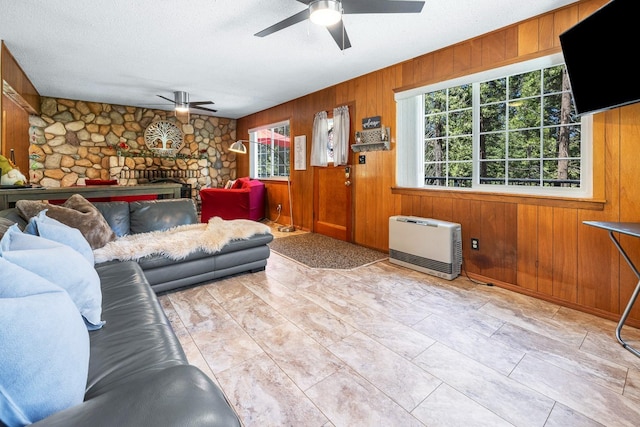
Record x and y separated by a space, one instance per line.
138 372
165 274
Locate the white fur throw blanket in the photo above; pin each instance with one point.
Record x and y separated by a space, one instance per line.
178 242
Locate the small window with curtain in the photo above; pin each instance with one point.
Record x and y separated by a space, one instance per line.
270 151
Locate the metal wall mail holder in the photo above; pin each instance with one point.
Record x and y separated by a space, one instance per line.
372 140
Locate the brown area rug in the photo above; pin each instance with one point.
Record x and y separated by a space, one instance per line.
318 251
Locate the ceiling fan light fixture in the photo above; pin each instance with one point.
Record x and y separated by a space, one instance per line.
181 99
325 12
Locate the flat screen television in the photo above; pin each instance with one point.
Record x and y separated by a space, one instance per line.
600 55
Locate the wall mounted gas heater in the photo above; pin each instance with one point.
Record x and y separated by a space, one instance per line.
427 245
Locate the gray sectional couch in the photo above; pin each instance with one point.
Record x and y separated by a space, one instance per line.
138 372
165 274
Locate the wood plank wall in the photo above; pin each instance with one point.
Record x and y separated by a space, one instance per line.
15 109
537 246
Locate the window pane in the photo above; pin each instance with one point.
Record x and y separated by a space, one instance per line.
524 144
493 117
435 126
524 172
561 173
492 146
435 102
434 150
554 137
493 91
492 173
460 97
554 113
524 113
460 149
524 85
553 79
460 174
460 122
434 174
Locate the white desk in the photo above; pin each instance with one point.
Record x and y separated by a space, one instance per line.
630 229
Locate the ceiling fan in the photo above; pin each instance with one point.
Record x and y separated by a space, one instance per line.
182 104
329 14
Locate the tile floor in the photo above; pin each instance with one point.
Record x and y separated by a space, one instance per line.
382 345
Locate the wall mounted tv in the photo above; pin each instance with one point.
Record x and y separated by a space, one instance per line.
599 53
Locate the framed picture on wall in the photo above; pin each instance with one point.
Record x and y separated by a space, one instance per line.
300 147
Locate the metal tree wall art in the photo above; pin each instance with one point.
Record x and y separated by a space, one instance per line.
164 138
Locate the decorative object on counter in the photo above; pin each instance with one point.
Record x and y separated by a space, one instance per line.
164 138
9 174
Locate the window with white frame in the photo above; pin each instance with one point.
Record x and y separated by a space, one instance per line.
270 151
511 129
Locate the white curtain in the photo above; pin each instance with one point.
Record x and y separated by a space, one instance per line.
340 135
319 139
410 143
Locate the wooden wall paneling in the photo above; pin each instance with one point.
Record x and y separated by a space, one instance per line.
376 192
362 173
563 19
545 250
443 209
499 222
511 42
565 259
13 74
424 69
494 48
15 133
476 53
387 171
547 37
408 72
527 240
472 220
629 197
462 59
529 33
443 63
426 207
598 259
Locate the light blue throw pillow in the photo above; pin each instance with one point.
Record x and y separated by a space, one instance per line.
60 265
44 348
52 229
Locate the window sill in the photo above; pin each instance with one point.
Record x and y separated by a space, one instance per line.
525 199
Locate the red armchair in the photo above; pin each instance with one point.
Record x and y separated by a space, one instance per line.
244 200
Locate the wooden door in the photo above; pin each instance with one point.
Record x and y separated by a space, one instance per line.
332 202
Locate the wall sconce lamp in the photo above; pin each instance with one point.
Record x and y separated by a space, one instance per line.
240 148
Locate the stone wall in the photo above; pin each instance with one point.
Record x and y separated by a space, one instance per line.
72 141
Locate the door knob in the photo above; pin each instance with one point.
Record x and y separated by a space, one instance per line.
347 183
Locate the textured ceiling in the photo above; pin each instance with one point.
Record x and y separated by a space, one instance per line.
127 52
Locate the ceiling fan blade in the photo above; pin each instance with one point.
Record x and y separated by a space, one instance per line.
339 34
294 19
305 2
195 103
203 108
170 100
381 6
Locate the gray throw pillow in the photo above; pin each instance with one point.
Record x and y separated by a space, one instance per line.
76 212
4 225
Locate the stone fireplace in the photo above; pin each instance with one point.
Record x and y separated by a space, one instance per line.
72 141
